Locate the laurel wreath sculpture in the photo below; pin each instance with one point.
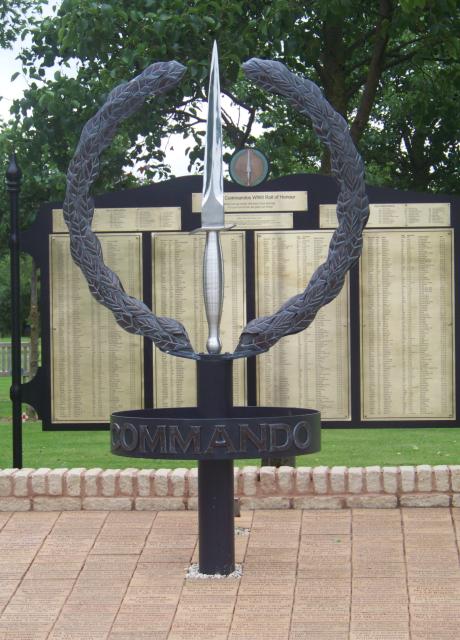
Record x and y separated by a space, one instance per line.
352 207
296 314
131 314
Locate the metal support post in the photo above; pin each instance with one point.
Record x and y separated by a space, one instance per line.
215 477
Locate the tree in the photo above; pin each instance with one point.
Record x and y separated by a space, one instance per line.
417 131
15 16
363 63
5 297
363 54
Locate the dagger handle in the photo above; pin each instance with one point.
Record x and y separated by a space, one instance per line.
213 289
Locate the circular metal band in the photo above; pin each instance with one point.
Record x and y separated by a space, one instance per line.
247 432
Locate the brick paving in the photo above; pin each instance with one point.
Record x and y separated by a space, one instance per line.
361 574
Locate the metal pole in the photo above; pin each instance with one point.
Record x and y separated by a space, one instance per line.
13 182
215 477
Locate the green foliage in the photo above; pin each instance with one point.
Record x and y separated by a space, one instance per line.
391 68
15 16
417 132
415 82
5 293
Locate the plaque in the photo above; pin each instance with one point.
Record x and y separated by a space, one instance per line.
309 369
96 367
258 201
392 214
128 219
177 291
407 325
248 167
279 220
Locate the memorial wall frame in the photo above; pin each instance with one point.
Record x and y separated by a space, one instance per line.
382 354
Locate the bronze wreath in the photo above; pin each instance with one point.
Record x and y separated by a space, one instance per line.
297 313
352 208
131 314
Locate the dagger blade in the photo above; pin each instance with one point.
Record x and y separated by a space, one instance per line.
212 208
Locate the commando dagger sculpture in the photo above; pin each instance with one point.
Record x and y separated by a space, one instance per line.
216 432
212 212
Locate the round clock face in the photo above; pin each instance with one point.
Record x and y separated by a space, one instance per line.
248 167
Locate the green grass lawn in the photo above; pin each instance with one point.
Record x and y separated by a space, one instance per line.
349 447
5 402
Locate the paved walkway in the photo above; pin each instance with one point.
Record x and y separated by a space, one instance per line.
361 575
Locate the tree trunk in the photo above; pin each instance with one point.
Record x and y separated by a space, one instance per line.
374 71
333 66
326 162
334 73
333 76
420 165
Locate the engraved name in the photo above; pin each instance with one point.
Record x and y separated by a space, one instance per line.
262 438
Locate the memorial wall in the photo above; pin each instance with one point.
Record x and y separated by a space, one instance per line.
383 352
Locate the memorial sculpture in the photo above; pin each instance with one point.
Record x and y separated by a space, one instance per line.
215 433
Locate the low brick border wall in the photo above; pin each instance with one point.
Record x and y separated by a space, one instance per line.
257 488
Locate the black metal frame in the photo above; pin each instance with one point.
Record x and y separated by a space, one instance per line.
13 186
321 189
